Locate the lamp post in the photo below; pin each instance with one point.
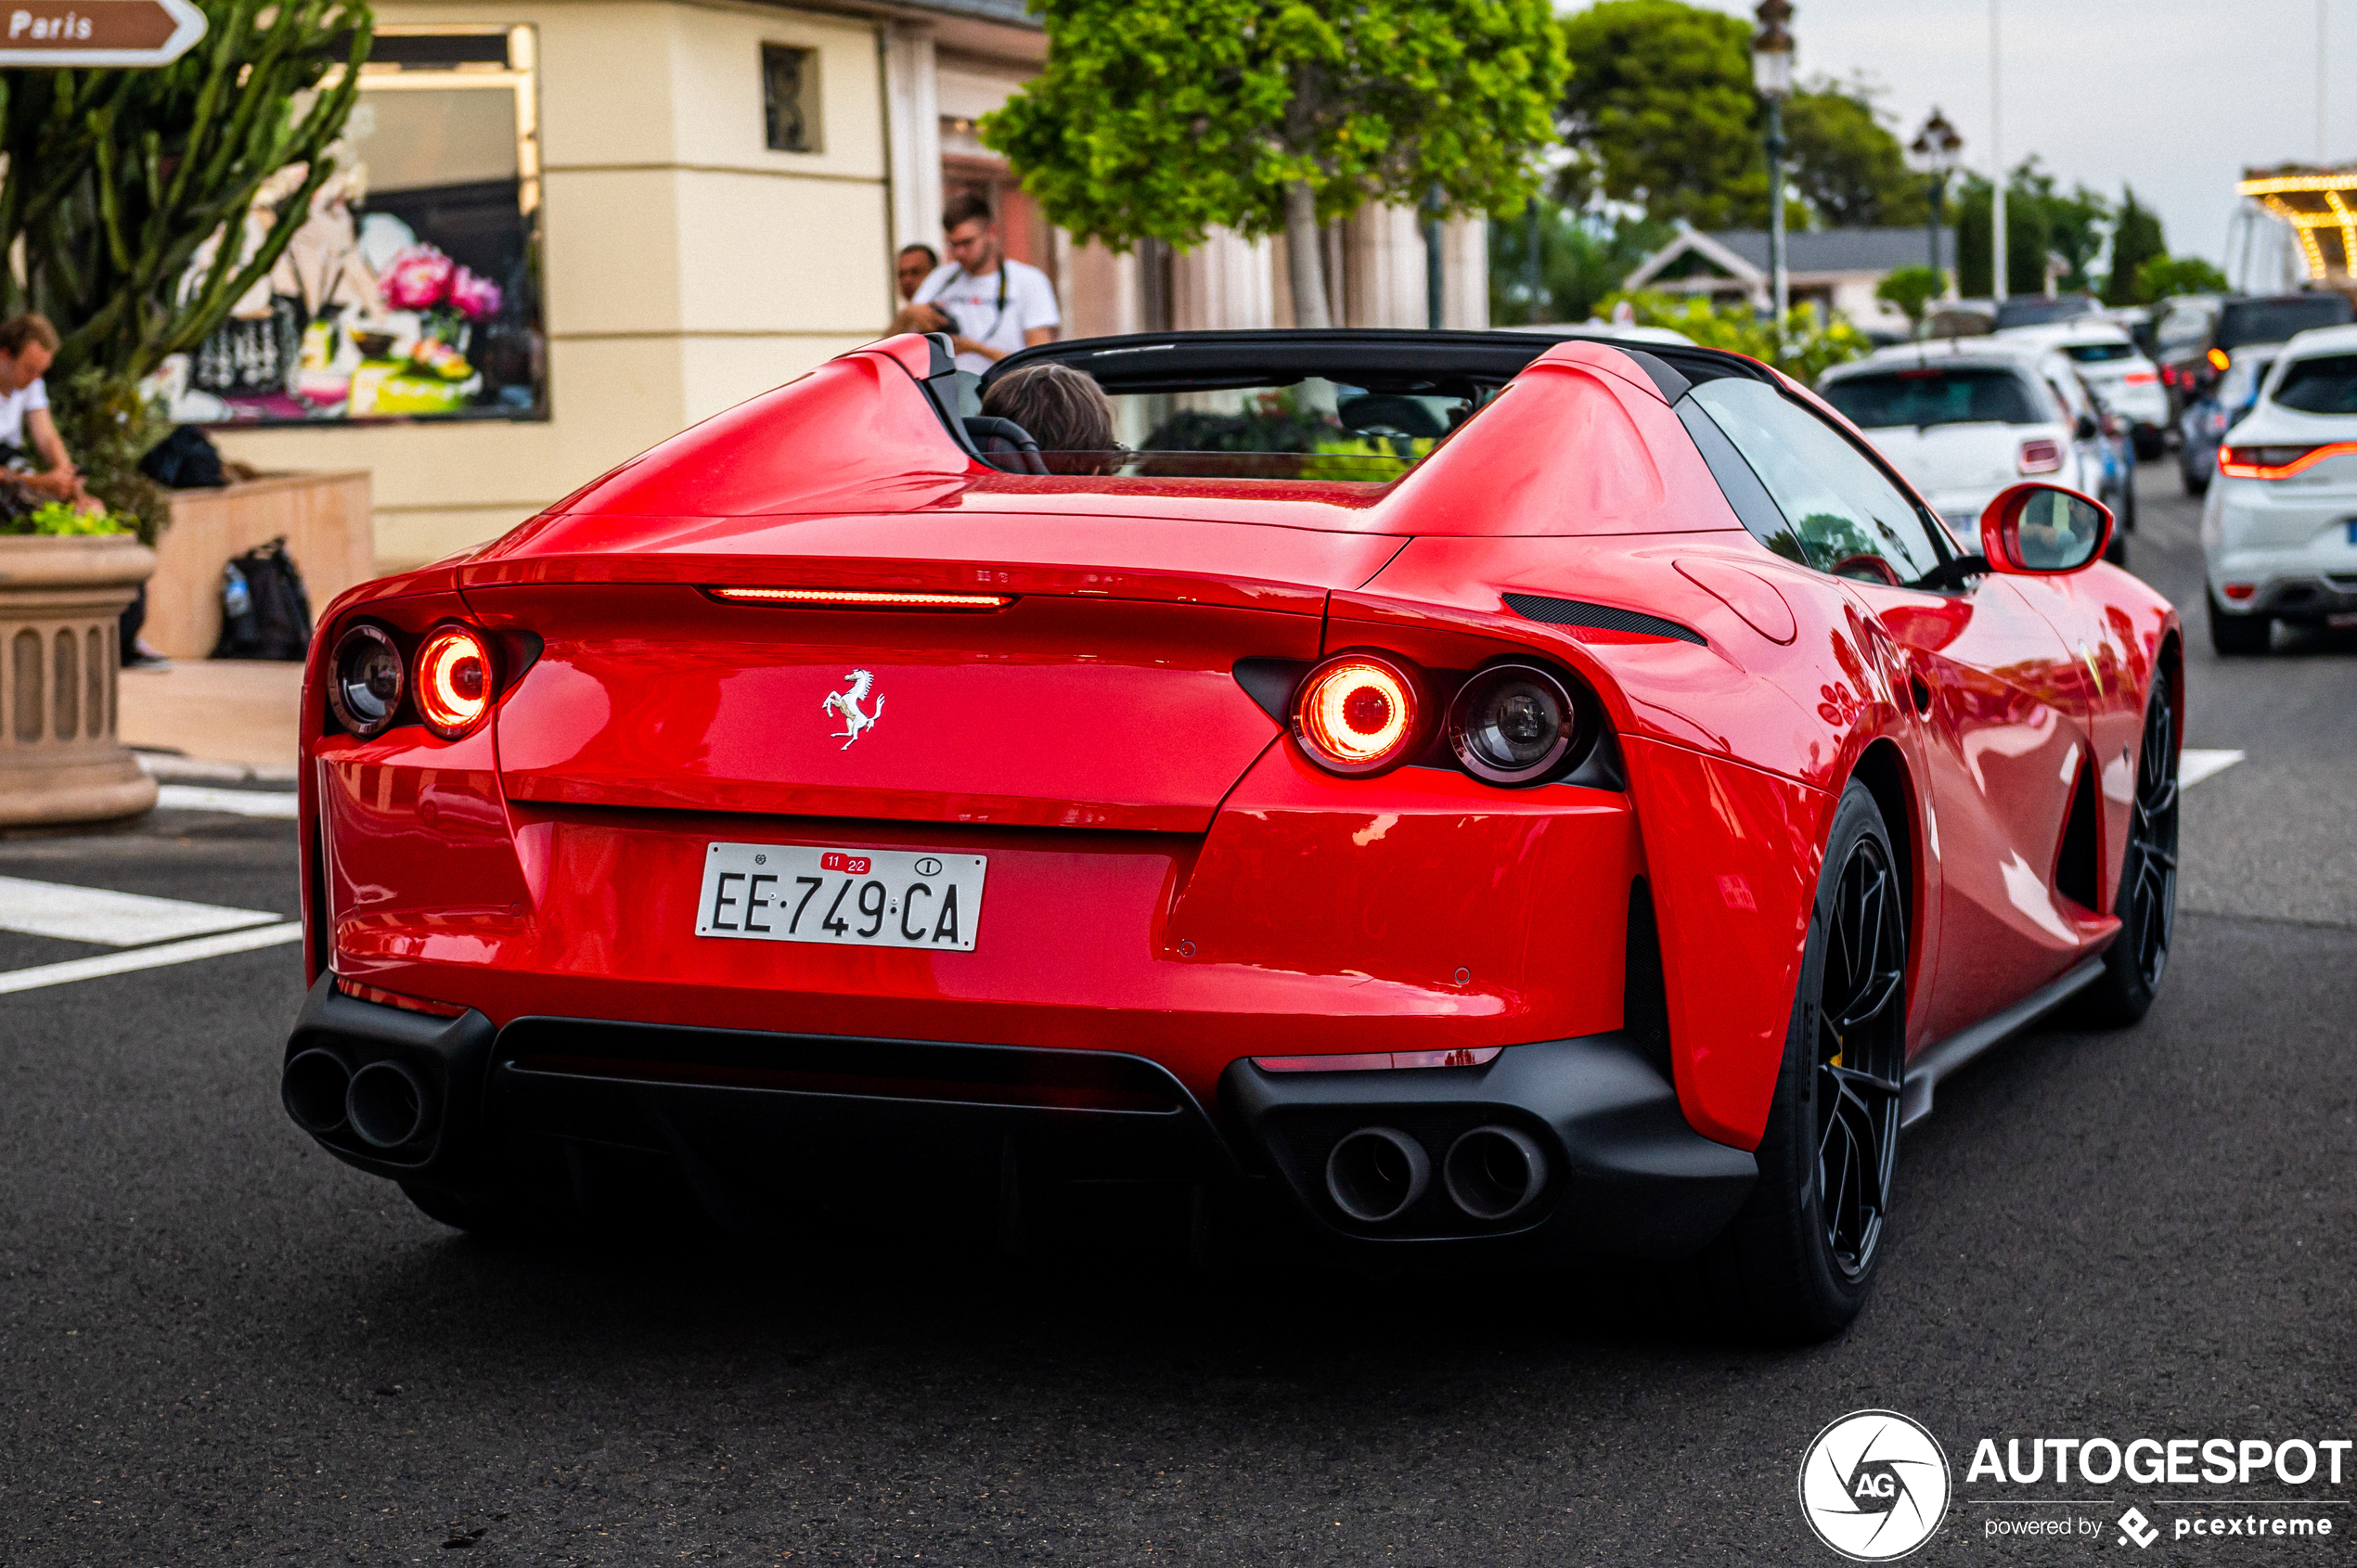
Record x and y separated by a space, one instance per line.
1772 74
1935 148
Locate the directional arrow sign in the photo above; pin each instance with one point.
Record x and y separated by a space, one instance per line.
97 32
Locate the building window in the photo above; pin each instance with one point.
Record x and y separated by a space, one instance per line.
788 97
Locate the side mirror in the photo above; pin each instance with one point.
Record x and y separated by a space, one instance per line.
2088 429
2043 530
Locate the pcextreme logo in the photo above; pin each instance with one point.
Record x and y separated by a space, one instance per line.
1874 1485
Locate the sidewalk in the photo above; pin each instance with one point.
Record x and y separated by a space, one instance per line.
213 720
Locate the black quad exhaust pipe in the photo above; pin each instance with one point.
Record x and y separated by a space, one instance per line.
313 1088
387 1104
1376 1173
1493 1173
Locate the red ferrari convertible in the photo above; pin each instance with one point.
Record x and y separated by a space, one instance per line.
1457 796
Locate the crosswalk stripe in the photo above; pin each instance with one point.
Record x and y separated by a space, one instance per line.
2196 764
244 803
116 919
150 957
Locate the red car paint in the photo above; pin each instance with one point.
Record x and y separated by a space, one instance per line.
1170 875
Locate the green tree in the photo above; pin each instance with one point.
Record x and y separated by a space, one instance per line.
115 178
1912 289
1582 257
2163 276
1661 113
2042 224
1161 119
1847 165
2135 239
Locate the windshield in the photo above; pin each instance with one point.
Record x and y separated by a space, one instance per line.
2037 313
2097 353
2274 321
1957 395
2326 384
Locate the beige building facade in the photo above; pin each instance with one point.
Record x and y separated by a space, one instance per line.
683 260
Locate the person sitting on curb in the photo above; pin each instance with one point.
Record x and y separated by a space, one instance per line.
26 345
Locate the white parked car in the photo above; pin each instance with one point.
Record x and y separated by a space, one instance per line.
2110 361
2279 529
1966 417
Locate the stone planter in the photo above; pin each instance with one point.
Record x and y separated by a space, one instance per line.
59 603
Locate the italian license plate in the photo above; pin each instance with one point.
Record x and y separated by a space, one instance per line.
852 897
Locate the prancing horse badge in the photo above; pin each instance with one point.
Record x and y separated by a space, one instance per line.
846 705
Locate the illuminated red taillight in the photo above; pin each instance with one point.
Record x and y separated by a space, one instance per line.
455 682
2240 591
2138 379
2276 462
2040 456
1357 713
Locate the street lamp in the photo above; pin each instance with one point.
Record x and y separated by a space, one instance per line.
1772 74
1935 148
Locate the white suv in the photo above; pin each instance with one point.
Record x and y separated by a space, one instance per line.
2279 530
1965 418
2110 361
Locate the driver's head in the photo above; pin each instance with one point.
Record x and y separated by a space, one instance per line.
1063 409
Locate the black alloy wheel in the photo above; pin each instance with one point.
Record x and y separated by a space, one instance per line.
2147 900
1796 1263
1861 1052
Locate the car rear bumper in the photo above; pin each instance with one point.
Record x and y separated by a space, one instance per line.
2298 561
761 1127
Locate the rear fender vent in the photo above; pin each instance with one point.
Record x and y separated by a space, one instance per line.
1644 997
2075 877
1600 617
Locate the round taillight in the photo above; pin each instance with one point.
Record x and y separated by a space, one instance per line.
1513 724
1357 713
365 680
454 680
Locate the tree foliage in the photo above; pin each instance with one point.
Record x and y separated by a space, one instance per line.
116 178
1910 291
2041 222
1582 257
1846 163
1661 114
1162 119
2135 239
2161 276
1812 343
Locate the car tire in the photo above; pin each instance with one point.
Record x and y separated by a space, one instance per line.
1797 1261
2128 502
2149 445
2147 904
2197 485
2232 635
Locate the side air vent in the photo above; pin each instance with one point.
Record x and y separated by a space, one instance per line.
1645 997
2076 875
1603 617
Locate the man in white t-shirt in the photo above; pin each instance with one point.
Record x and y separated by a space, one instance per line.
990 304
27 344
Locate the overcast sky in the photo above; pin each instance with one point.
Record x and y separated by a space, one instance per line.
2172 97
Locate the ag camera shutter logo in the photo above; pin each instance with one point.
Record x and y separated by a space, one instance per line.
1874 1485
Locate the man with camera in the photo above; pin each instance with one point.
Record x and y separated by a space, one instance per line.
989 303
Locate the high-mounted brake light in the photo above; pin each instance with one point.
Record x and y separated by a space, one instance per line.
864 598
456 680
1357 713
2277 462
2040 456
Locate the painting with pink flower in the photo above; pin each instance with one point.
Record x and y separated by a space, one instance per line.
474 296
418 278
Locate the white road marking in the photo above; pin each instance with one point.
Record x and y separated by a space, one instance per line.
2193 764
117 919
150 957
245 802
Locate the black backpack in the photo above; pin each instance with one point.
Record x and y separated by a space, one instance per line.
265 612
186 459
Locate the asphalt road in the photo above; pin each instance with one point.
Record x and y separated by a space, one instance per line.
218 1345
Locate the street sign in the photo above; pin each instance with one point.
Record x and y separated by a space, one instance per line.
97 32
